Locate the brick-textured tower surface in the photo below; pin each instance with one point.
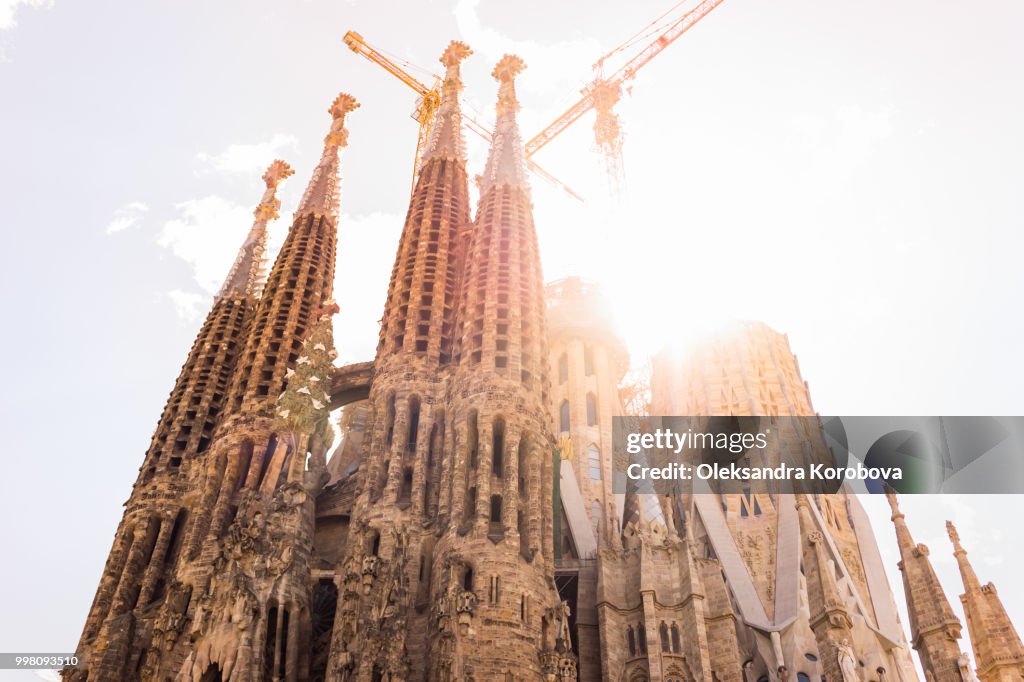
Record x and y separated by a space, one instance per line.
497 544
406 433
218 529
148 542
450 549
998 651
710 586
934 628
245 455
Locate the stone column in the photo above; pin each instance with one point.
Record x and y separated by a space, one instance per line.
156 562
510 497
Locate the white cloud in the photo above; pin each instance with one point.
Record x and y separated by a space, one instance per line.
207 234
187 304
366 251
564 62
9 8
126 216
248 158
48 675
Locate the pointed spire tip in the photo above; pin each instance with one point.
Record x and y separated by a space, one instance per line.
954 536
508 68
343 104
455 53
276 172
894 504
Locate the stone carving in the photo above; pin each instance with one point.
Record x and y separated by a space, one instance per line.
171 620
465 605
282 558
370 565
567 669
245 537
964 662
563 640
847 661
466 602
229 642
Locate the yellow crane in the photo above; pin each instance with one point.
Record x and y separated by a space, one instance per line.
427 105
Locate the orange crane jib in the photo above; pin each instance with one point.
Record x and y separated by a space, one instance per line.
426 108
600 86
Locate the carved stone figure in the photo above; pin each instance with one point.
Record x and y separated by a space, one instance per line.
171 620
847 662
466 602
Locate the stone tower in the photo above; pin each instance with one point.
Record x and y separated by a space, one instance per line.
710 586
588 361
934 628
498 538
449 551
406 433
998 651
148 542
207 468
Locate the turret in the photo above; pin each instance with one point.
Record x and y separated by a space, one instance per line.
149 541
245 456
934 628
998 651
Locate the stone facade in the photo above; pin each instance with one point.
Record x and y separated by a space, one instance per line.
467 527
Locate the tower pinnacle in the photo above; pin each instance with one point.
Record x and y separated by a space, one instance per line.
934 628
446 136
246 274
505 72
998 650
506 164
321 197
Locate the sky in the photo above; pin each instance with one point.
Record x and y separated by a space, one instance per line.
849 173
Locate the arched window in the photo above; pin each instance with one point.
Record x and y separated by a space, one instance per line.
563 417
631 640
373 542
498 447
676 643
591 410
594 462
563 369
663 636
641 634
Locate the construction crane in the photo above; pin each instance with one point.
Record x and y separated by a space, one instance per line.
427 105
602 93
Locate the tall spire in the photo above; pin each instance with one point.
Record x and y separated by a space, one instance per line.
506 163
829 615
321 197
245 276
998 651
446 141
934 628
